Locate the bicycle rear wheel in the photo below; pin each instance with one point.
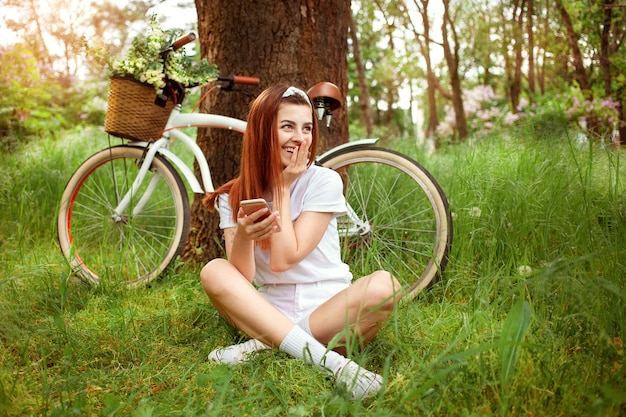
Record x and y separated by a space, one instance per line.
403 223
135 246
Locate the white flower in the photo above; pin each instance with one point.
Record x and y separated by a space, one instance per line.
510 118
144 63
524 270
475 212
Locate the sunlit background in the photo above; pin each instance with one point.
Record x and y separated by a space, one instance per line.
56 25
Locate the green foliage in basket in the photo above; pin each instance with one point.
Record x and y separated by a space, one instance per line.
143 62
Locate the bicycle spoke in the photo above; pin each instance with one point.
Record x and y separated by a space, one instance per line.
122 246
401 214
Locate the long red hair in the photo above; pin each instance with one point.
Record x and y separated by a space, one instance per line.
260 165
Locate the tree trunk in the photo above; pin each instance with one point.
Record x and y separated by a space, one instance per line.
605 62
542 48
388 82
364 98
423 42
452 59
516 86
431 79
579 66
42 51
507 38
572 40
530 15
621 97
300 42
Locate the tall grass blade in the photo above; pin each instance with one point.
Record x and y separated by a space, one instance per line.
513 332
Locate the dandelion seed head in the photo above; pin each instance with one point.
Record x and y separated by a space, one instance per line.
475 212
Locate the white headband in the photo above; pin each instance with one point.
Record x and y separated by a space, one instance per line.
293 91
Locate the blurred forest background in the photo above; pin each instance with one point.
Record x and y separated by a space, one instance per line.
436 70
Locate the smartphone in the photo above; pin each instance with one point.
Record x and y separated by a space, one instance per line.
250 206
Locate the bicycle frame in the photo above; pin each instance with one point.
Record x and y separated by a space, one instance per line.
176 121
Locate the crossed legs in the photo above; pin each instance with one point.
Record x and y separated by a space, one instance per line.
364 306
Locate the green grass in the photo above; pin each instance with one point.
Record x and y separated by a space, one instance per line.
486 340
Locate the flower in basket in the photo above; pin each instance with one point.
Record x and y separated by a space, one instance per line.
134 111
144 63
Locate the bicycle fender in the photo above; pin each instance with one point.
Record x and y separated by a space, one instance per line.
356 143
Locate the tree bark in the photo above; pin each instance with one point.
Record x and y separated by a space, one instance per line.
364 98
605 36
452 59
297 41
505 48
516 86
431 79
423 41
572 40
530 16
542 47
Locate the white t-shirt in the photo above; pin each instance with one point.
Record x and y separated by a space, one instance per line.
318 189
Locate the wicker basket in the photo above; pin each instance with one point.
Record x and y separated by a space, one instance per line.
131 112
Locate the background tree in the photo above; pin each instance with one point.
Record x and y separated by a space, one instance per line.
451 54
364 96
423 40
373 70
300 42
530 16
607 19
518 41
481 27
54 30
386 72
47 77
577 56
595 35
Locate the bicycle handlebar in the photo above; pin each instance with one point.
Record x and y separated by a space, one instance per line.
182 41
236 79
231 80
239 79
178 43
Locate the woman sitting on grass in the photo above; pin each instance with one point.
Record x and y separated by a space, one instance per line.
305 295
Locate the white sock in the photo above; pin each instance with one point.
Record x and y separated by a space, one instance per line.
358 381
299 344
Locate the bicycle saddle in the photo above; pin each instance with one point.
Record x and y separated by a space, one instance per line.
326 98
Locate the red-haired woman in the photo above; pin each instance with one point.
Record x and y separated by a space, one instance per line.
306 298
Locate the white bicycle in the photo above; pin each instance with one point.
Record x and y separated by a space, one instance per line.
124 214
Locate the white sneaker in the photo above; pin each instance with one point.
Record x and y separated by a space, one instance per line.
359 382
236 353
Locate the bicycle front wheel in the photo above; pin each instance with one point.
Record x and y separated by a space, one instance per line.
135 245
398 217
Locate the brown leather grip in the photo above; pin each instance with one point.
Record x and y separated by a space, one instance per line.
242 79
180 42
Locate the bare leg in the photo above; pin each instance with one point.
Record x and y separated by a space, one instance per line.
242 305
364 306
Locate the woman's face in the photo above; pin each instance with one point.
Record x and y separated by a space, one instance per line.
295 126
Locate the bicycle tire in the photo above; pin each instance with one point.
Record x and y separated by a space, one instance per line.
134 249
403 204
